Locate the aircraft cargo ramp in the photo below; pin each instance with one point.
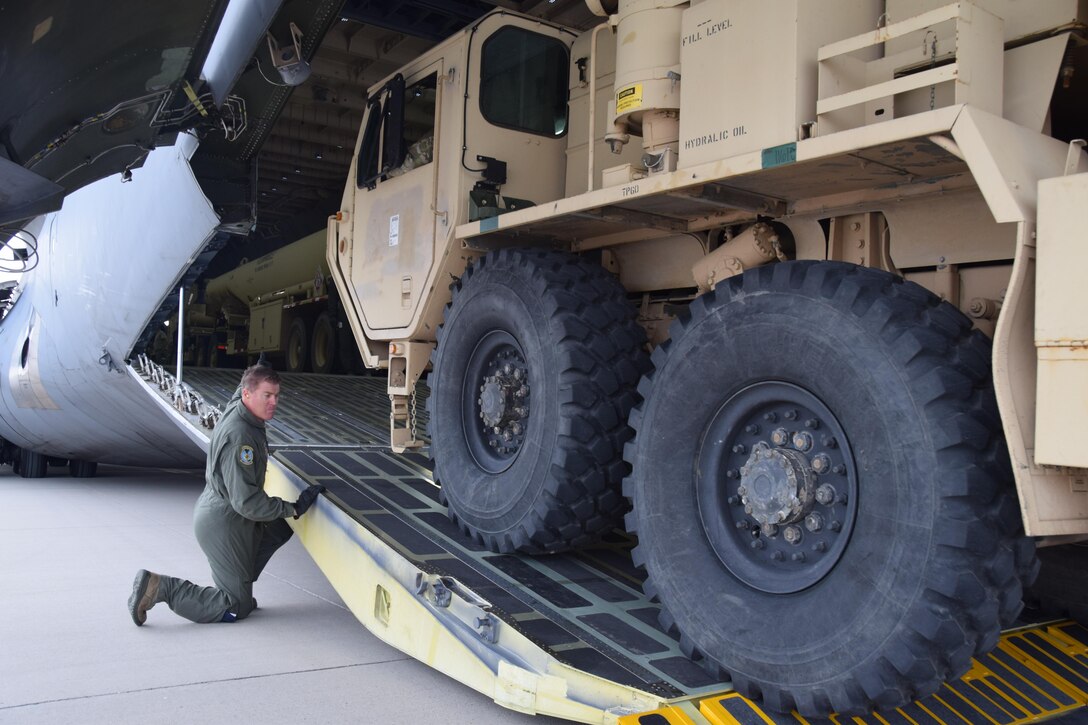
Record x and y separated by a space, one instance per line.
569 635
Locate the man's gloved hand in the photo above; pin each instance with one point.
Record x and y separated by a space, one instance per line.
306 499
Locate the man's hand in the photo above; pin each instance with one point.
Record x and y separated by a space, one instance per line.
306 499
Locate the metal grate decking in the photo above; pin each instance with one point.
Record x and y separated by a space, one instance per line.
587 608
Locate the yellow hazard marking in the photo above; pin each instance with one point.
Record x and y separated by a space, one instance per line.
629 98
670 714
1035 673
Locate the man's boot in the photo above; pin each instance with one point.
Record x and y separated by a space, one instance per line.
145 594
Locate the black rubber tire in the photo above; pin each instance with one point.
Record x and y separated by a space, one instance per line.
297 352
930 568
583 354
82 469
323 344
31 464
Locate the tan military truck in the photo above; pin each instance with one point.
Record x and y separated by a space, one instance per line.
851 234
281 304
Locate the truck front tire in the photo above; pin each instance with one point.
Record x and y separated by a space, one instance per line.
821 489
534 374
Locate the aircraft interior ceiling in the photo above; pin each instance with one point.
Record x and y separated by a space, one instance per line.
87 88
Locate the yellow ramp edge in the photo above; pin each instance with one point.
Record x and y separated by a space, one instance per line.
397 602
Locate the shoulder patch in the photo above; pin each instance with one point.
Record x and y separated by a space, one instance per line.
245 455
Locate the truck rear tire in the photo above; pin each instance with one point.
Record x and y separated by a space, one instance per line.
534 374
31 465
297 353
323 344
821 489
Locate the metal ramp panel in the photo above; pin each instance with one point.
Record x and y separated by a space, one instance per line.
570 635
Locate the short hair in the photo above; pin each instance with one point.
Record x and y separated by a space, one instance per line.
257 374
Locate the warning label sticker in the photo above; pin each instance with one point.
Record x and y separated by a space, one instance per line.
629 98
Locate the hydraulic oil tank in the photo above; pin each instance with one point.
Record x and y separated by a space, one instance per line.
750 70
647 86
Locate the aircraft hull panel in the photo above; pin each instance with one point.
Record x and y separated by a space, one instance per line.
107 259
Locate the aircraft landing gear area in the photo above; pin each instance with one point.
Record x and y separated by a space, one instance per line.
583 610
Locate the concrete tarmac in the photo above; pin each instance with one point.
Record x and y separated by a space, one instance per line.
70 653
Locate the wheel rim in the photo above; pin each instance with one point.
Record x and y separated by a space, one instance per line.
495 401
776 486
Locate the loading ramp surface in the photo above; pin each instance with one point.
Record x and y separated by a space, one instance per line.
583 612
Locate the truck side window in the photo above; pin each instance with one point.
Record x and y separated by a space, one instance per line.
399 131
367 168
523 82
418 128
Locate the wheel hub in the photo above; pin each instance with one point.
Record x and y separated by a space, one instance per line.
504 401
776 486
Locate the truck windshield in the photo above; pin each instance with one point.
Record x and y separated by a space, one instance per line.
523 82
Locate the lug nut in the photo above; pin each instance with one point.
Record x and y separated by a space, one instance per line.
839 469
802 441
770 417
515 428
752 429
739 448
821 463
814 522
757 544
732 473
825 494
792 535
812 423
780 436
517 373
791 414
819 547
742 524
493 443
841 498
733 500
834 526
830 442
798 556
748 510
778 556
742 490
768 529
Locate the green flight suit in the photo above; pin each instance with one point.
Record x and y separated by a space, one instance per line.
237 524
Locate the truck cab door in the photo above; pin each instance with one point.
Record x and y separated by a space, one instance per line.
396 181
